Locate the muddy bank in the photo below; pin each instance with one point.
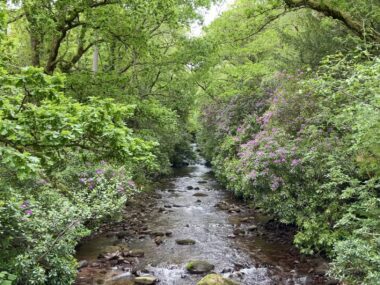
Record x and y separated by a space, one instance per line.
190 217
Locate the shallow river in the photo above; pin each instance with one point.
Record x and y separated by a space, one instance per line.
227 239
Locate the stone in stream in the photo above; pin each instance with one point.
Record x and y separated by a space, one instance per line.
238 231
222 205
185 241
202 182
145 280
82 263
158 234
245 219
216 279
134 253
234 209
196 188
200 194
158 240
252 228
190 187
199 266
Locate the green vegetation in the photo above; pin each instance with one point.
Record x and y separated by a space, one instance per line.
290 120
93 103
97 97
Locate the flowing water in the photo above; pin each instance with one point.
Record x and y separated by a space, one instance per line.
249 258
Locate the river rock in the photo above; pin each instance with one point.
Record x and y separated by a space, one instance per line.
234 209
82 263
216 279
185 241
245 220
252 228
158 240
202 182
158 234
200 194
190 187
134 253
199 266
196 188
112 255
222 205
145 280
238 232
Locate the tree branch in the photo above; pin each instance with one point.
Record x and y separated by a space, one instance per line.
351 23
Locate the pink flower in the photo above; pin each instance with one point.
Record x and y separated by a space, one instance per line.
252 174
295 162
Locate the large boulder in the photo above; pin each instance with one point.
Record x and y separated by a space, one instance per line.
145 280
199 266
216 279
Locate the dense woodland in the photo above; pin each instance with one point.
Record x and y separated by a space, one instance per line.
99 97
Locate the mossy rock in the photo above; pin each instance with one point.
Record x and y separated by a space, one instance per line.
216 279
145 280
199 266
185 241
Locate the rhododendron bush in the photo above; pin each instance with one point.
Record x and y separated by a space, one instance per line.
309 155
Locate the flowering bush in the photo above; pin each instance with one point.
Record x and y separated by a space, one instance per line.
266 162
310 157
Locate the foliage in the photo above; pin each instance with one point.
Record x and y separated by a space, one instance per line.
285 103
306 160
299 140
48 138
103 110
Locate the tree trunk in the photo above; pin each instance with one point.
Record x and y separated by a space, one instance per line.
35 45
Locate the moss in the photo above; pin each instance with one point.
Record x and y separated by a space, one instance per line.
216 279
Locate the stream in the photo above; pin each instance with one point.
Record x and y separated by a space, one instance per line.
242 244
